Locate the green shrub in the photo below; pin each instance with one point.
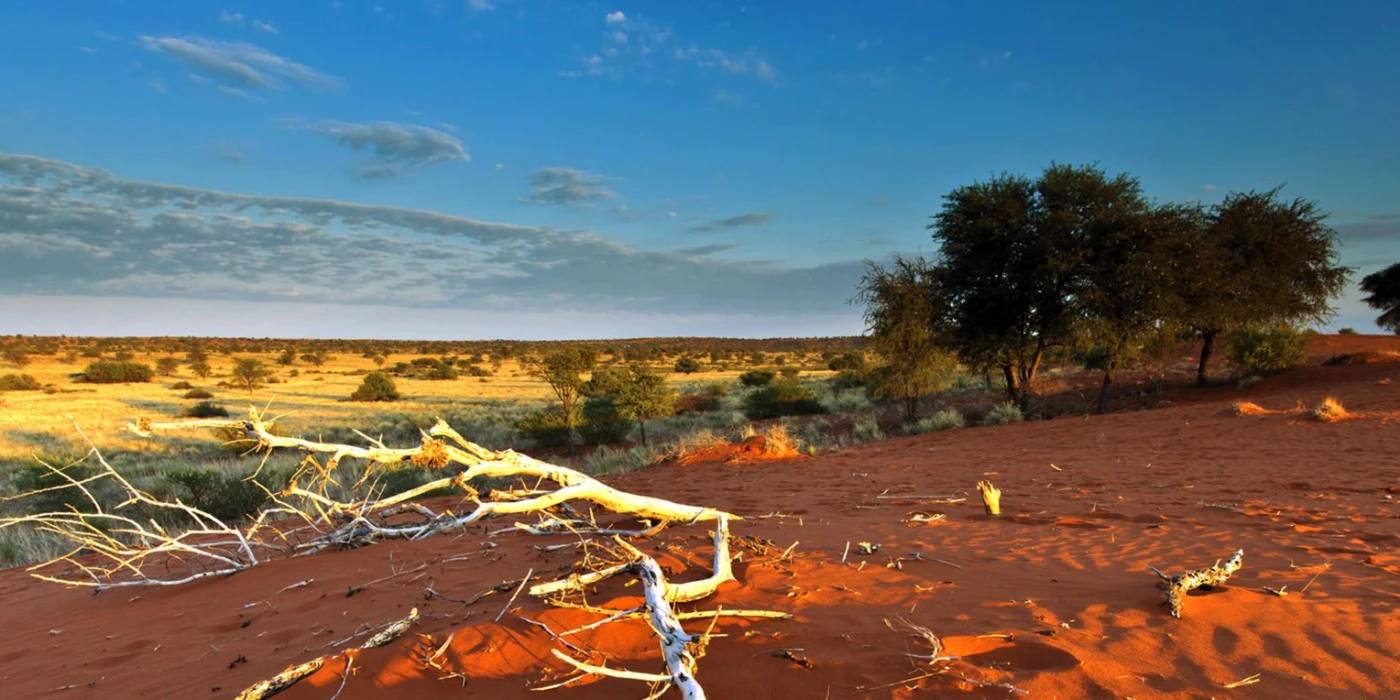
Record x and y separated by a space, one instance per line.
116 372
181 385
377 386
757 377
942 420
687 365
866 430
198 394
1002 414
602 423
1347 331
167 365
847 362
1261 352
19 382
783 397
849 379
442 371
696 403
545 427
1093 359
718 390
205 409
37 477
224 495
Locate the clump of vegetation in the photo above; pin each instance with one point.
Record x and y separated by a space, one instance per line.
249 374
205 409
687 365
167 365
19 382
942 420
757 377
1261 352
1383 294
51 492
783 397
866 430
1330 411
377 386
116 372
1001 414
181 385
547 428
224 495
198 394
603 422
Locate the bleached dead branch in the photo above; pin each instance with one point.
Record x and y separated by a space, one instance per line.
1176 587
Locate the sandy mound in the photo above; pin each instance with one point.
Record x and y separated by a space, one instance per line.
1053 597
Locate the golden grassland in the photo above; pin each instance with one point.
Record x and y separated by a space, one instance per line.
312 397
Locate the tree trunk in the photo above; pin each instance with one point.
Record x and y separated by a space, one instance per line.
1108 369
911 409
642 424
1207 348
1010 375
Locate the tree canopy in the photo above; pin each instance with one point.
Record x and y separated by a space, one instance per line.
1383 293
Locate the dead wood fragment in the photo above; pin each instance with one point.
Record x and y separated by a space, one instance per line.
292 674
991 497
1176 587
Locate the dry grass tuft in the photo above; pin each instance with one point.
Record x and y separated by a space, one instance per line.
1331 411
777 442
1249 408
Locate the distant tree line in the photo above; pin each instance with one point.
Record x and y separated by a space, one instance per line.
1078 259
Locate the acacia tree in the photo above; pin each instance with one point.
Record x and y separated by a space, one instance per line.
903 317
1126 293
1013 255
1257 260
249 373
563 372
1383 293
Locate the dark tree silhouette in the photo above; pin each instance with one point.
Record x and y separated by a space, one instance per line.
1383 294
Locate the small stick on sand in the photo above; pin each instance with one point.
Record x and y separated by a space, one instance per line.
991 497
1178 586
292 674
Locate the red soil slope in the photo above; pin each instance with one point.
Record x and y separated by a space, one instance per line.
1053 597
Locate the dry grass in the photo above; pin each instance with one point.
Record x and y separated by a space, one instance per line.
1249 408
1331 411
35 421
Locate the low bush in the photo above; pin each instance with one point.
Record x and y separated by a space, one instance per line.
116 372
602 424
37 478
866 430
546 428
205 409
1002 414
198 394
757 377
226 496
1261 352
696 403
377 386
942 420
19 382
177 386
783 397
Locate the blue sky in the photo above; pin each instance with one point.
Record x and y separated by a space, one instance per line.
532 168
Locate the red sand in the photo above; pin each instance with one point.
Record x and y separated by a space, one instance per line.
1061 577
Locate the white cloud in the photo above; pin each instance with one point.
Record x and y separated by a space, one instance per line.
233 18
568 187
756 218
481 5
500 167
1210 188
265 27
393 147
616 17
240 65
67 229
747 63
670 215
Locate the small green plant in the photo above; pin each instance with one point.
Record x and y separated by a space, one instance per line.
866 430
19 382
942 420
1002 414
205 409
377 386
1261 352
116 372
198 394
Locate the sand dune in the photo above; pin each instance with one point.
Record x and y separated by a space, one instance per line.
1053 597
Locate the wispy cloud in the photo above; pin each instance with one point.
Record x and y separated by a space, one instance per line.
264 27
747 63
240 65
870 77
224 151
75 230
234 18
994 61
755 218
391 147
703 250
481 5
567 186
